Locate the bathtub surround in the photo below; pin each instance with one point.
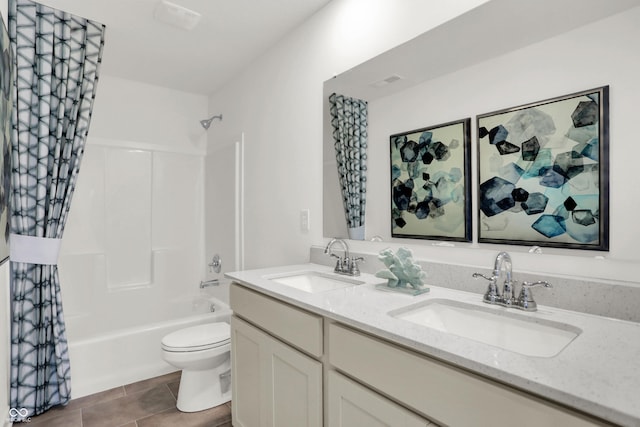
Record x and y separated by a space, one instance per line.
133 253
58 57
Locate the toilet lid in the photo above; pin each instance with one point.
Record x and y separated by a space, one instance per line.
200 337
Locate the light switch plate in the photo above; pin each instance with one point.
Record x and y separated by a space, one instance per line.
304 220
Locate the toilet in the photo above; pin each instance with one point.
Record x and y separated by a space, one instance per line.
203 354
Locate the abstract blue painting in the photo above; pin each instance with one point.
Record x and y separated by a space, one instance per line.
543 173
430 182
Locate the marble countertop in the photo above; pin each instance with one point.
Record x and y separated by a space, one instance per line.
596 373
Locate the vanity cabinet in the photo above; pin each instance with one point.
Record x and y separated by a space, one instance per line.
284 358
274 384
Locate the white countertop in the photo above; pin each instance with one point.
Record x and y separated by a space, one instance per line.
598 373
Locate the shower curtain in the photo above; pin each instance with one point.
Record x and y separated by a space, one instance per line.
349 122
57 58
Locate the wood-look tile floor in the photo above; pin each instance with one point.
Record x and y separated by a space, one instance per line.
148 403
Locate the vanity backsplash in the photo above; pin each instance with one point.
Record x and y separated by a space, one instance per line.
616 300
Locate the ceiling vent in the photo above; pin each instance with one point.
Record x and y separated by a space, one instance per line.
176 15
388 80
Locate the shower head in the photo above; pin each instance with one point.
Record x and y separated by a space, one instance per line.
206 123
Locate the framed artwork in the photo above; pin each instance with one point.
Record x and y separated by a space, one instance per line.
6 110
543 173
430 182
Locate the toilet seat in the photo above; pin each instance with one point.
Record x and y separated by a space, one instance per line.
198 338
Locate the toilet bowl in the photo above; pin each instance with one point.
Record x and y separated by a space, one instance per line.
203 354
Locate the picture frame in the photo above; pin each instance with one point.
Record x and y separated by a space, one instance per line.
543 173
431 182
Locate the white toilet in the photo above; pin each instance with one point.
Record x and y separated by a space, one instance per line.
203 354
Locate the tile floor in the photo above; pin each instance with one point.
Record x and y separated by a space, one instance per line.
148 403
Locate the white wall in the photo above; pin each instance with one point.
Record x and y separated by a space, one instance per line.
602 53
133 244
277 103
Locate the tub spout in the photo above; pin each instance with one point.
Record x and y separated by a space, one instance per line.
207 283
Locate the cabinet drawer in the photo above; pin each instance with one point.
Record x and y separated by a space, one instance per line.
297 327
441 392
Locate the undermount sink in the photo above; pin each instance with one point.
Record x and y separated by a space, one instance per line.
313 281
515 332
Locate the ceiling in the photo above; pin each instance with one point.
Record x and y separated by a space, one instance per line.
230 35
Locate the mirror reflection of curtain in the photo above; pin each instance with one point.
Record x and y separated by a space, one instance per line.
57 59
349 123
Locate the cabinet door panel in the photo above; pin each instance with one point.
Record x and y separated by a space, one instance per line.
274 385
297 388
351 404
245 374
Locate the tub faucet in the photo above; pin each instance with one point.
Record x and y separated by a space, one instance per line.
207 283
344 264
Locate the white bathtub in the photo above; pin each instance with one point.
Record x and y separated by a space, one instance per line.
128 355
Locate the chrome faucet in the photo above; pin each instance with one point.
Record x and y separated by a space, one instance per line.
503 261
344 264
207 283
507 298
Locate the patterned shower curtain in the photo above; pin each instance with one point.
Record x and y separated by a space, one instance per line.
349 122
57 58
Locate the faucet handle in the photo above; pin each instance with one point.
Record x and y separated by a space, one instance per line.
492 295
354 270
537 283
477 275
525 300
339 264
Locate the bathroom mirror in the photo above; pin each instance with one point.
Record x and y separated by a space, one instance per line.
389 83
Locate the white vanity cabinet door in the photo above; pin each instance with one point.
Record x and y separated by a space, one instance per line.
352 405
247 388
273 384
